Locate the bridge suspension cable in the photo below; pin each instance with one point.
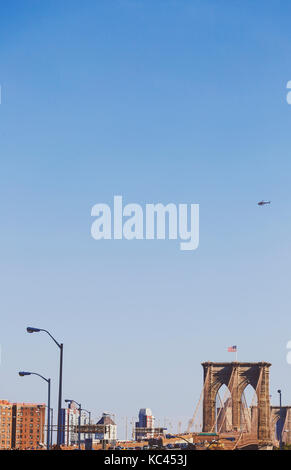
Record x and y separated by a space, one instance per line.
226 404
192 420
246 413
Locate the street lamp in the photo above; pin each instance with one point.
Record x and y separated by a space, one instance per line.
31 329
79 420
22 374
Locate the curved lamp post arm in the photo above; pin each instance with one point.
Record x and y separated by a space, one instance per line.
31 329
23 374
87 411
74 401
58 344
35 373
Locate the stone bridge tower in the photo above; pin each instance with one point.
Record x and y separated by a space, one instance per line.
236 376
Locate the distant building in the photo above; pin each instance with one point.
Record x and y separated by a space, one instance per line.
144 427
5 424
110 429
27 430
69 424
21 425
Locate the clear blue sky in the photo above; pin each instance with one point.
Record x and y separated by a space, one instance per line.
160 101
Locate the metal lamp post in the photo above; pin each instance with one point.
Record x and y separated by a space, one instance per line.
79 421
31 329
280 398
52 425
22 374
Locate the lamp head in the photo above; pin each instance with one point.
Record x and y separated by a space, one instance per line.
22 373
30 329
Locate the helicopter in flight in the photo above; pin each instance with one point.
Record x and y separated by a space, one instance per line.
263 203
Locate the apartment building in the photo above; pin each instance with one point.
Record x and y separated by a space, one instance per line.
5 424
144 427
109 432
21 425
28 422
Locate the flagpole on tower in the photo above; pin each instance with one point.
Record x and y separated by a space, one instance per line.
233 349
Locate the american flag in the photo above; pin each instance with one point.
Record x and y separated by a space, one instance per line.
232 349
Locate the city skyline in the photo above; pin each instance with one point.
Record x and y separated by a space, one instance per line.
228 413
